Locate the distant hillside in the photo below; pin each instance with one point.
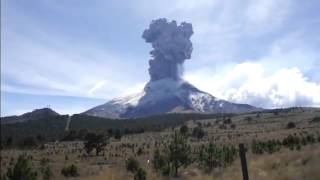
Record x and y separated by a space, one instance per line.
34 115
49 128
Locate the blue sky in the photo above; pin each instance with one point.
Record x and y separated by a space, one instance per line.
73 55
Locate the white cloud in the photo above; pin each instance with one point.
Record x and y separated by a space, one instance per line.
248 83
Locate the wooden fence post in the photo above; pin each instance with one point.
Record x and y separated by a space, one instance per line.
242 154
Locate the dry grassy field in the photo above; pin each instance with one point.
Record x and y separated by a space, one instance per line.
285 164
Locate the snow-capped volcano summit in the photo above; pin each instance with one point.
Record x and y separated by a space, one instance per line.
165 96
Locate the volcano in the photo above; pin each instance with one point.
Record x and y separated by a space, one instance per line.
167 92
167 96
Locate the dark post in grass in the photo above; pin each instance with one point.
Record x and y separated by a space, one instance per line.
242 154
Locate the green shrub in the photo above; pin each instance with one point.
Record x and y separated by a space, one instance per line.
95 141
70 171
47 173
117 134
291 125
22 170
179 152
173 156
159 161
140 151
184 129
140 174
211 156
316 119
132 165
291 142
198 132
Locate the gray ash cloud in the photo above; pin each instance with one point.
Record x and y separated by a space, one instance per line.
171 47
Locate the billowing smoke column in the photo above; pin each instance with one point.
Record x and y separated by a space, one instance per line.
171 47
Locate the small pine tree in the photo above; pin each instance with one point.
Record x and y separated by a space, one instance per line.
178 152
21 170
159 161
70 171
118 134
47 173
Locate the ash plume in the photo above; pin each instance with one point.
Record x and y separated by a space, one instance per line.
171 47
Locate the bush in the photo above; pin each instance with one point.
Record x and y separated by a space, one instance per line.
47 173
70 171
222 126
198 132
22 170
95 141
270 147
316 120
118 134
184 129
292 142
291 125
132 165
227 121
159 161
173 156
248 119
178 152
211 156
140 174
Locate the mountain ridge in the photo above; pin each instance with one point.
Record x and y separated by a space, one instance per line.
33 115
